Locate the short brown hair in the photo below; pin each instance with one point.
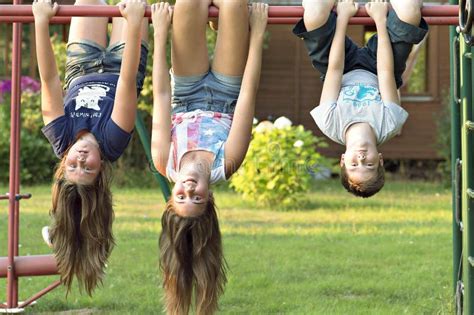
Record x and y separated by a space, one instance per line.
364 189
191 259
81 229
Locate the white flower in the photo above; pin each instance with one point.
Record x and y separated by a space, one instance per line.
298 144
282 123
264 126
255 121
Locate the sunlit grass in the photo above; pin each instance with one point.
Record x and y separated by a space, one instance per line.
390 254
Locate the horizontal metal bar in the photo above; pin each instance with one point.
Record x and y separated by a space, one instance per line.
17 197
274 11
432 20
39 265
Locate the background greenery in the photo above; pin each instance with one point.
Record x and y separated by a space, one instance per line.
336 254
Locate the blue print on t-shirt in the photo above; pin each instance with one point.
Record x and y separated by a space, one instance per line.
360 95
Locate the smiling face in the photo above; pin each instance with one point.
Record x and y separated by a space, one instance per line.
361 165
83 161
190 196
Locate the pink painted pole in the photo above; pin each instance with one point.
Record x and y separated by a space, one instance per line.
29 266
274 11
432 20
13 209
40 294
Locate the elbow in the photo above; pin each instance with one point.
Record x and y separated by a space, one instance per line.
127 80
161 95
157 165
336 69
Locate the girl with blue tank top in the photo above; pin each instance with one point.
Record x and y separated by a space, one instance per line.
202 121
89 127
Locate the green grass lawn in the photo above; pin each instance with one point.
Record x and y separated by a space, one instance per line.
391 254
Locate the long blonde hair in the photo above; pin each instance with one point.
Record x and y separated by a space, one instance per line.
81 229
191 259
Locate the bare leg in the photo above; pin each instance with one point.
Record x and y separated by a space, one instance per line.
316 13
119 31
230 54
189 55
89 28
408 11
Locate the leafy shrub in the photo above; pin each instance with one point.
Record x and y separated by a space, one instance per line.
37 158
279 164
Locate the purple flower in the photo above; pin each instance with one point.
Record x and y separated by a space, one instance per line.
5 86
26 84
29 84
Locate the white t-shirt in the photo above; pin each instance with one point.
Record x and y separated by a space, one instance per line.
359 102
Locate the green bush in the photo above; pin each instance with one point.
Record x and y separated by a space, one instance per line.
37 159
279 164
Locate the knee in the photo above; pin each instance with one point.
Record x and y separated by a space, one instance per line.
232 3
90 2
194 4
409 11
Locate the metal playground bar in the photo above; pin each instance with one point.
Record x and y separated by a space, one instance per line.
15 266
435 15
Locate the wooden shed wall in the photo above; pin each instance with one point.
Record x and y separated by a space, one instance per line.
291 87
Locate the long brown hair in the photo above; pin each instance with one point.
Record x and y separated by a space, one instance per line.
191 259
81 229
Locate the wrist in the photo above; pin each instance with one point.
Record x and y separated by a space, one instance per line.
257 36
160 39
134 24
381 21
343 19
41 21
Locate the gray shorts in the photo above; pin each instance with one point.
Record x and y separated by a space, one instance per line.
87 57
402 37
210 91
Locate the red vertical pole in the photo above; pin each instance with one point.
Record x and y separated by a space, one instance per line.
13 209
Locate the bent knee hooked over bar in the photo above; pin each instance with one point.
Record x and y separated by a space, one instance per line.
409 11
193 4
90 2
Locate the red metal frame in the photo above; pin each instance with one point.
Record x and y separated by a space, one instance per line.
15 266
434 14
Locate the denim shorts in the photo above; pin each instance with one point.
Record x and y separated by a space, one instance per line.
87 57
210 91
402 36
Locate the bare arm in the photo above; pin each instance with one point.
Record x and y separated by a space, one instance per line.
161 130
240 132
51 90
333 79
385 65
125 104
